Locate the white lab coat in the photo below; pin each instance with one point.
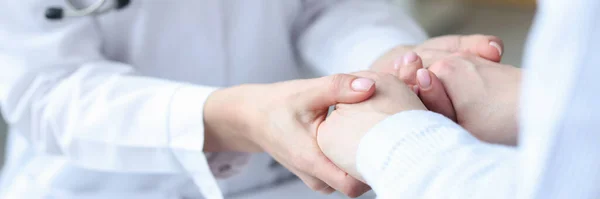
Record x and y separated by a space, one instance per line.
111 106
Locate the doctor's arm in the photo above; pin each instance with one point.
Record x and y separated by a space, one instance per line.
60 92
66 98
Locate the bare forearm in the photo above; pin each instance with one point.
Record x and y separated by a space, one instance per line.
225 122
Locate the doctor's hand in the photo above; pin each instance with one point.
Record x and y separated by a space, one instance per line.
282 119
483 94
340 134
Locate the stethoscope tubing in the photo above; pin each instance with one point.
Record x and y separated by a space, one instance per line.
57 13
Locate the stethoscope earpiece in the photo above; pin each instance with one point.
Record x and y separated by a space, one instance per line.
54 13
57 13
122 4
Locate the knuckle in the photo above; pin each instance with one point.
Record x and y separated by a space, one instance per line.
383 80
443 67
384 76
462 55
316 185
369 74
335 82
405 77
305 162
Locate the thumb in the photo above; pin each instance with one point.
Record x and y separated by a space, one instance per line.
433 94
488 47
327 91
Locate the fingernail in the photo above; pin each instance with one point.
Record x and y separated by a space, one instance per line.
362 84
497 46
410 57
423 78
416 89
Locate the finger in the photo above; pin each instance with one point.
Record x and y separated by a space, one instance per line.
323 92
433 94
415 89
430 56
311 182
408 66
328 190
338 179
488 47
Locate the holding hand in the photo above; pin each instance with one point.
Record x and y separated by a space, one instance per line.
282 119
339 135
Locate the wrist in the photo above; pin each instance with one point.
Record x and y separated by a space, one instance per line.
226 120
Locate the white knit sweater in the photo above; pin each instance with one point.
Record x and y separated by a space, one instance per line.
419 154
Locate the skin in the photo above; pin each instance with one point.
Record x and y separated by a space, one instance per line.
474 90
484 95
341 133
481 95
282 118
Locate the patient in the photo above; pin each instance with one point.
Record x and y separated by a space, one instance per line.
480 95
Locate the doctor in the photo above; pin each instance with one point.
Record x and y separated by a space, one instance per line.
157 98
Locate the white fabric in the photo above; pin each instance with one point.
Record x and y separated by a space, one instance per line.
111 106
420 154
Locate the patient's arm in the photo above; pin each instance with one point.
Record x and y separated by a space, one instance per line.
403 151
420 154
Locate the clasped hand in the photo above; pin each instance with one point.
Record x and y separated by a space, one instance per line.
289 120
479 94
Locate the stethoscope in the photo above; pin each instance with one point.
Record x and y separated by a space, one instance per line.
57 13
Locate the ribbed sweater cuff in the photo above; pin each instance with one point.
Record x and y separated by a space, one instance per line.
402 141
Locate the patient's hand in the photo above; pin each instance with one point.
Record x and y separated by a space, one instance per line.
339 135
473 88
404 61
434 49
483 94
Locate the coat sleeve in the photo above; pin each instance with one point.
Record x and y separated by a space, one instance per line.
342 36
59 92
